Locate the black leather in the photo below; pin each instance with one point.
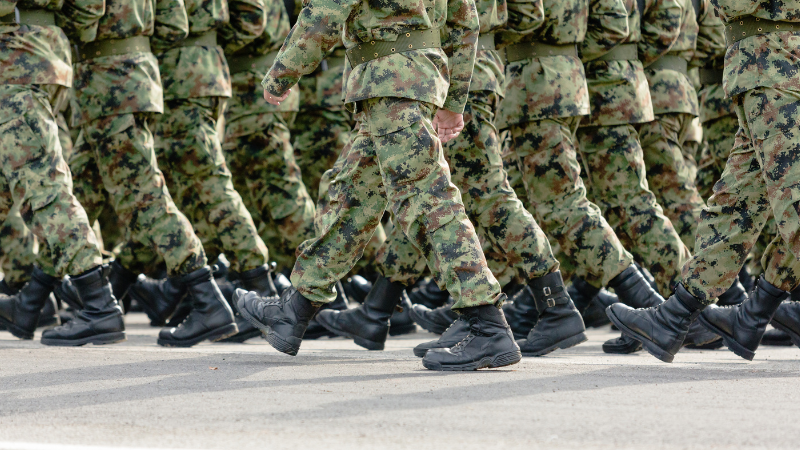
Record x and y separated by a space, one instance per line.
341 303
121 280
211 317
633 289
401 322
622 345
735 295
20 313
457 331
742 326
282 320
368 324
435 320
489 343
581 293
429 294
776 337
357 288
100 320
560 325
159 298
661 329
258 280
786 321
521 313
747 279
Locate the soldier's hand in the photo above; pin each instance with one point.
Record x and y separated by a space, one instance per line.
272 100
448 124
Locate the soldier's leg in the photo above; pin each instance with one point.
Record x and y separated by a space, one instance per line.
616 172
36 177
719 136
18 249
319 137
550 171
188 146
668 173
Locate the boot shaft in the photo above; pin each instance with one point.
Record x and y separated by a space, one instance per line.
549 293
382 299
487 319
761 306
582 293
204 293
121 279
95 291
32 296
258 280
633 289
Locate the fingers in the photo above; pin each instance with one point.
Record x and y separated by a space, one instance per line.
273 100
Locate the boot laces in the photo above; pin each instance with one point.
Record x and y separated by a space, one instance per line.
474 331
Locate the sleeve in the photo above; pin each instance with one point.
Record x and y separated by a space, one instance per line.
525 17
79 19
248 21
172 23
661 27
608 27
461 45
317 30
711 46
7 7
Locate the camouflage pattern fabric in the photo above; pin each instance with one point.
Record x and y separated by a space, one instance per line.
17 249
396 143
189 153
36 178
476 168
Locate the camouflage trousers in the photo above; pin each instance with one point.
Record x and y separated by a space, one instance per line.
616 178
125 165
503 223
395 158
17 250
761 177
670 173
36 178
267 175
547 162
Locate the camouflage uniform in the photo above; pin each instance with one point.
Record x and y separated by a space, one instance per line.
545 97
116 96
395 153
17 250
669 30
34 73
476 168
610 151
258 147
761 175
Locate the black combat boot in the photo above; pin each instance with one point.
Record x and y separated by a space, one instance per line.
49 317
211 318
521 313
159 298
282 320
488 344
100 319
742 326
257 280
121 280
632 289
735 295
20 313
787 321
341 303
401 322
595 315
560 325
747 279
585 298
281 282
429 294
457 331
367 324
435 320
661 329
776 337
357 288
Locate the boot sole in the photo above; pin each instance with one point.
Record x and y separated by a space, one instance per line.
399 331
15 330
709 346
792 335
279 344
100 339
560 345
241 337
622 350
214 335
366 343
648 345
426 325
506 359
729 341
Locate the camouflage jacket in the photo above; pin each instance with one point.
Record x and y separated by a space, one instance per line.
440 76
128 83
767 60
32 54
202 71
488 72
547 87
246 111
710 54
618 90
669 27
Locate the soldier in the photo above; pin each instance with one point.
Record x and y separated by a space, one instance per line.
396 155
476 167
118 90
759 179
35 176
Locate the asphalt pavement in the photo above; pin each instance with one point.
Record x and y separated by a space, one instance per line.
335 395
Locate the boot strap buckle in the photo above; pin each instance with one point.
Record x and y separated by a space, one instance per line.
551 303
546 291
